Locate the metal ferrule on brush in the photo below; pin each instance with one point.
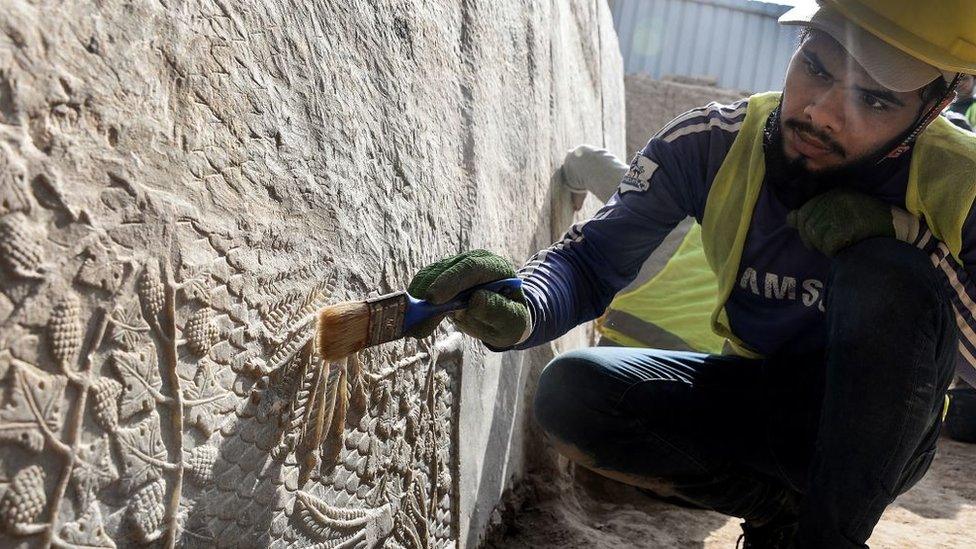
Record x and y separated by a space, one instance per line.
386 313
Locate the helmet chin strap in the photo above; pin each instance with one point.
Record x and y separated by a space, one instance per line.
924 120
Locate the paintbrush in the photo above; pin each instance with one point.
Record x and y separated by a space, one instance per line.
346 328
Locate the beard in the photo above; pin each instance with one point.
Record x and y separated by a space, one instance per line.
794 184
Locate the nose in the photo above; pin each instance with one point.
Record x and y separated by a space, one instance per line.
827 110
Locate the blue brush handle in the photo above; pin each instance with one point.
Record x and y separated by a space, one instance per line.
419 310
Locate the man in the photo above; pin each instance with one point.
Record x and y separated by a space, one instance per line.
837 219
964 99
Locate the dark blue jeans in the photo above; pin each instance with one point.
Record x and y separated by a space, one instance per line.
830 439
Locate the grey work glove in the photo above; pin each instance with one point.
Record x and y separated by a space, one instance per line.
495 319
834 220
588 168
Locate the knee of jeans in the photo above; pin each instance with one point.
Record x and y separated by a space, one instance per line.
886 297
884 266
883 276
558 399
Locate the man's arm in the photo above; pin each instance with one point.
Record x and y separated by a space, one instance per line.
959 279
575 279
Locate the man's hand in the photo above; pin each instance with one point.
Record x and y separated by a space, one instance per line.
591 169
838 218
493 318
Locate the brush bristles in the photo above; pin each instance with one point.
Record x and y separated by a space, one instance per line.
342 329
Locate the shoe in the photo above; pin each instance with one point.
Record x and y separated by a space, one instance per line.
960 421
777 534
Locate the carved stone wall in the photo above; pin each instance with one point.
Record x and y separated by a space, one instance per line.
184 182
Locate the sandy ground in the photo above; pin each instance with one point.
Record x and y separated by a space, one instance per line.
940 511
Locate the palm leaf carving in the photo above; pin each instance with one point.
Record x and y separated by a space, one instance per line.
344 527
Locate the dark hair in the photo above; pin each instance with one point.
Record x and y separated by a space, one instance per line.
803 35
934 90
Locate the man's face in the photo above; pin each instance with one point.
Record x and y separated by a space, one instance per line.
833 113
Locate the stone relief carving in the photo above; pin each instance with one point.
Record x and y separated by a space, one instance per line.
160 388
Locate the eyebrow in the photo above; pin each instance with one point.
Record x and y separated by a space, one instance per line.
812 57
882 94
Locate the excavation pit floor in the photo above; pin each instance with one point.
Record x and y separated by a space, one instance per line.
592 512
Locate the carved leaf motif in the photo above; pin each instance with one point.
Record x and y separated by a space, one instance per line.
443 482
129 329
358 400
325 417
94 470
140 380
415 426
333 440
275 315
207 400
372 464
143 453
412 528
32 405
384 408
198 289
99 270
312 427
381 492
88 531
428 447
401 460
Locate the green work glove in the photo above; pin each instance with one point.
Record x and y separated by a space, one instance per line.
834 220
495 319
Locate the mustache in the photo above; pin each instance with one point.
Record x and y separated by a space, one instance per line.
818 134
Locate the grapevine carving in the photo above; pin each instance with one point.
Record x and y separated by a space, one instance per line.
159 385
178 412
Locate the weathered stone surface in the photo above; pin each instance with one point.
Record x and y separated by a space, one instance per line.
183 183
